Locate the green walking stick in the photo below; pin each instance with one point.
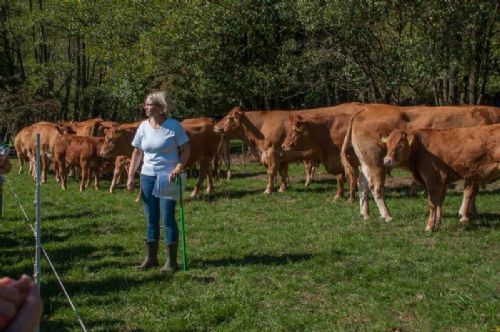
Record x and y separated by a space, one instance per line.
178 180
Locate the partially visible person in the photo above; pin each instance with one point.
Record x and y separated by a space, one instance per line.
5 167
164 145
21 306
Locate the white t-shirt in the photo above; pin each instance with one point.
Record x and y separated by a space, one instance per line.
160 145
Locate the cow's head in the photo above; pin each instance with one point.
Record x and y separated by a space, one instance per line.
399 145
297 133
113 136
231 123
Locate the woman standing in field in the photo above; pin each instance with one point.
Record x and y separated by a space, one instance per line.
163 144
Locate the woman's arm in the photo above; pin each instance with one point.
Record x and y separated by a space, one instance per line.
135 161
184 153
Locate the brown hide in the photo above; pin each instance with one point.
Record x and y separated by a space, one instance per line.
204 145
379 120
324 134
264 132
437 157
117 142
26 140
22 146
80 151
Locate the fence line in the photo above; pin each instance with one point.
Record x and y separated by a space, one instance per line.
27 221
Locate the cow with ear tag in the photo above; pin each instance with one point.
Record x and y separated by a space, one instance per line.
437 157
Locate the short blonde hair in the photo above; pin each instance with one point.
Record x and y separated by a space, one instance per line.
161 98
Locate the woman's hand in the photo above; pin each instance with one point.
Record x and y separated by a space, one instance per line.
130 184
177 171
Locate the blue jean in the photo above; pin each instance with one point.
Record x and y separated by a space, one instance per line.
152 207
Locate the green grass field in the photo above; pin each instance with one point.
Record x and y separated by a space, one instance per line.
294 261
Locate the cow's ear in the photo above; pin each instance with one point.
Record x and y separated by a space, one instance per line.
384 139
238 114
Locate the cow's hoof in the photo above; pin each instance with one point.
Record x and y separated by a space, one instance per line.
428 228
267 191
194 194
388 219
464 220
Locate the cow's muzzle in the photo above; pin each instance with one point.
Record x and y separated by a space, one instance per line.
388 161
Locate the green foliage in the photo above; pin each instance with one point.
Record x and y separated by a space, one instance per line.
102 57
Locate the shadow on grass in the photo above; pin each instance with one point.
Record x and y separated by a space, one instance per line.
76 215
254 260
227 194
108 324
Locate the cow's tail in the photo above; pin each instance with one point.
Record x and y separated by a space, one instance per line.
347 154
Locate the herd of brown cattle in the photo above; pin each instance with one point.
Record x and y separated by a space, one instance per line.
356 141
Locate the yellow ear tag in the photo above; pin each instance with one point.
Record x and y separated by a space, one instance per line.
118 134
383 140
299 130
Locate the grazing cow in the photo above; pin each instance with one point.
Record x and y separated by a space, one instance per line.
48 136
204 146
22 146
81 151
118 142
437 157
263 132
362 146
324 134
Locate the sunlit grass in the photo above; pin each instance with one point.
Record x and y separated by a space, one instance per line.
291 261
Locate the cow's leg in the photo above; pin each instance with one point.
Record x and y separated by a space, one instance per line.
340 186
378 180
203 173
352 188
227 161
97 175
271 176
64 174
210 186
413 189
20 157
83 176
435 193
116 179
439 210
45 167
283 170
468 201
309 168
364 209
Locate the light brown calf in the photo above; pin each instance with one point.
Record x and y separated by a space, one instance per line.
437 157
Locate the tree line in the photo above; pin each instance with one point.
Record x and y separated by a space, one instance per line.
71 60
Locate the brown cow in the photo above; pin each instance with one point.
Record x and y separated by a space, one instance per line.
22 146
203 143
81 151
263 132
437 157
324 134
48 136
362 146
